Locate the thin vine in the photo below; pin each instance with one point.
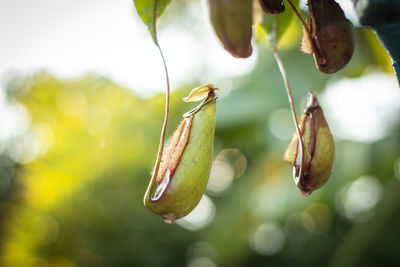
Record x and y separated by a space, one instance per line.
288 90
167 100
314 43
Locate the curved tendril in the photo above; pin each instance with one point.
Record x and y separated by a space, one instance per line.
290 97
167 96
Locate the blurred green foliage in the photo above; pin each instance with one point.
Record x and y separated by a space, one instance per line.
75 199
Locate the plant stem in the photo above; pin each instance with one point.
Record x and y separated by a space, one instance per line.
299 16
167 97
288 90
314 43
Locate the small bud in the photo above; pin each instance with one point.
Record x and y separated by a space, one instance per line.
332 36
232 22
272 7
186 162
318 148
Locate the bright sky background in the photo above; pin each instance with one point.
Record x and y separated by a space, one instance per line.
71 38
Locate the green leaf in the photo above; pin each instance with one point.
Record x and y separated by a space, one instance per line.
145 9
284 20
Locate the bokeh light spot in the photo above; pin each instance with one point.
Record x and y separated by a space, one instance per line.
230 163
201 262
357 200
322 217
26 150
200 217
221 177
267 239
280 124
236 158
308 222
45 136
364 109
202 249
